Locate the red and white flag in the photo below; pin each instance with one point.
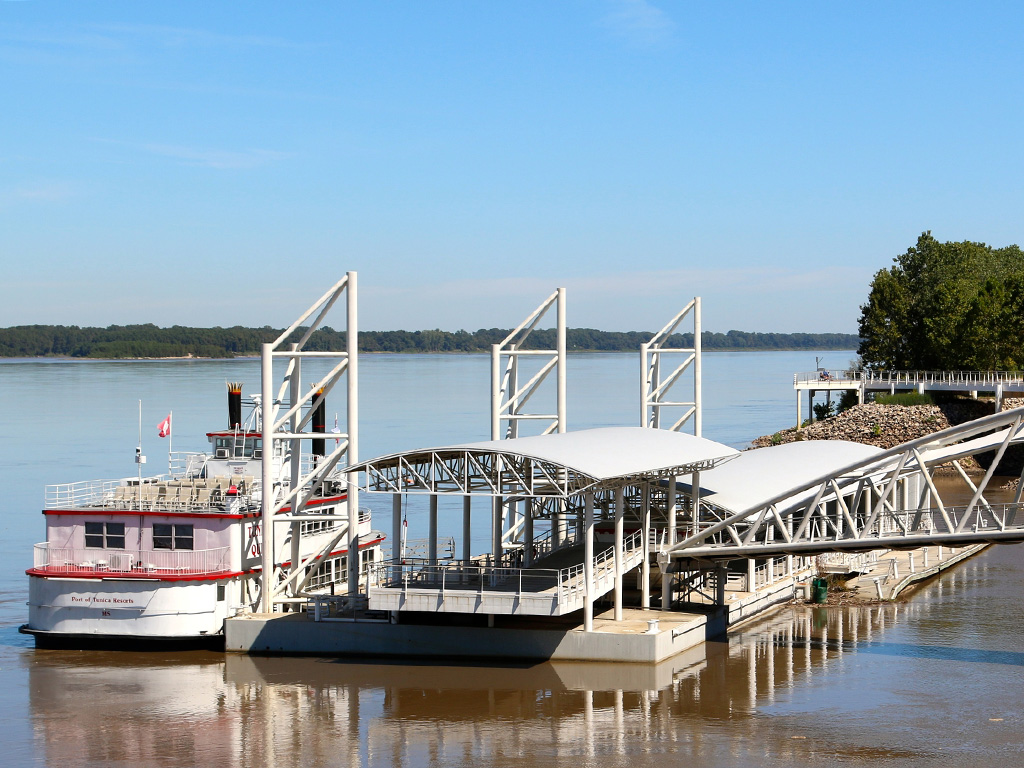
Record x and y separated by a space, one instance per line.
164 428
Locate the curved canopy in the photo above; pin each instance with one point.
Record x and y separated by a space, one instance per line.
559 464
769 472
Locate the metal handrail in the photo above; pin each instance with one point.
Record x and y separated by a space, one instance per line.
136 561
567 582
456 576
910 377
543 545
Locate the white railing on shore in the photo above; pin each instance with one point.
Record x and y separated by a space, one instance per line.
158 562
910 378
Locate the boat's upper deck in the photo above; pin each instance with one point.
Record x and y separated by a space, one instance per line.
214 494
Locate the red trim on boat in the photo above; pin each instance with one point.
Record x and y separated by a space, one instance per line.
95 511
287 563
93 574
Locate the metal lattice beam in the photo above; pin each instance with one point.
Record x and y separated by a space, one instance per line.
656 384
872 505
286 488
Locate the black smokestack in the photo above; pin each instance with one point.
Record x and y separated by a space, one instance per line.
319 421
235 405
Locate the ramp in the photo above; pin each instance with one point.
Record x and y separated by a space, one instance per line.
458 588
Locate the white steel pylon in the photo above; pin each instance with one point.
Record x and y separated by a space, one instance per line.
654 386
508 399
509 402
286 483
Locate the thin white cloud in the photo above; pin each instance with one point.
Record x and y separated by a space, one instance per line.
220 159
638 21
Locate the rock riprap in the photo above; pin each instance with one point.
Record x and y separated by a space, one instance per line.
882 425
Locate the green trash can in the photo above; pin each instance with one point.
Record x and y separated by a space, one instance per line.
819 590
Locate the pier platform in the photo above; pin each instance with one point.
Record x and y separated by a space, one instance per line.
629 640
896 571
634 639
998 384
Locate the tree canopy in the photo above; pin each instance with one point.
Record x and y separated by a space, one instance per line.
132 341
946 306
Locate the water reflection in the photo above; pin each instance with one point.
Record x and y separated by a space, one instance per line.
92 709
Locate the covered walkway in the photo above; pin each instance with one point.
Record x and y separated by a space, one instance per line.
545 495
832 496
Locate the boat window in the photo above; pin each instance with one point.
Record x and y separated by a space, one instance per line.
239 446
104 535
167 536
311 527
330 571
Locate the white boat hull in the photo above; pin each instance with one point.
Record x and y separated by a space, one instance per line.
127 608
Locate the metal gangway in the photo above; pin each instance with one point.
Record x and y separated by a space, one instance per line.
888 500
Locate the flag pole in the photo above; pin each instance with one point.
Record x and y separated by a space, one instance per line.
138 455
170 440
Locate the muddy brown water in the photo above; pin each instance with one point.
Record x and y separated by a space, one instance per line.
935 680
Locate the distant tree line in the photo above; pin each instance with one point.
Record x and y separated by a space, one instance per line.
133 341
946 306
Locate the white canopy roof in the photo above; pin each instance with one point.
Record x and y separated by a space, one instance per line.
765 473
592 457
610 452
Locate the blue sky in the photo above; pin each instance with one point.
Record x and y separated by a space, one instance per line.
203 163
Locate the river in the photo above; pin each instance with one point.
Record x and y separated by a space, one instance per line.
932 680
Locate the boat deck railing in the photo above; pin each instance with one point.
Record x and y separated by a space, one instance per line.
135 562
155 494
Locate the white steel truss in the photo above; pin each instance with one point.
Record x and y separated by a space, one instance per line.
888 501
655 384
464 472
508 398
287 486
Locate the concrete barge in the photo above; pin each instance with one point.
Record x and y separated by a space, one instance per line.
641 636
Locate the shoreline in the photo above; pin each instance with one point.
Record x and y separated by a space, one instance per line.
714 350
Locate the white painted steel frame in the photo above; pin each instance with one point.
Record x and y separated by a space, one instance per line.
655 388
488 472
509 402
508 398
282 425
869 505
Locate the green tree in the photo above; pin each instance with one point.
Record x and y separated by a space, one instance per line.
945 306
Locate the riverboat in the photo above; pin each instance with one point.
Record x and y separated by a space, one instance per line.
156 561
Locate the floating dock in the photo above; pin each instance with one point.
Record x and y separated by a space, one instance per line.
612 544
